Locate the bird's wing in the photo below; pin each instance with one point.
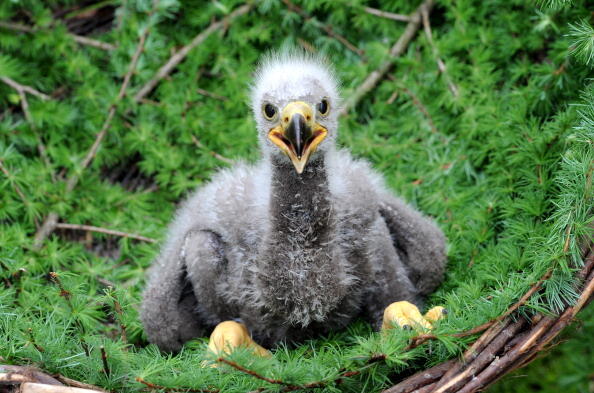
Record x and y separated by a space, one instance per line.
418 240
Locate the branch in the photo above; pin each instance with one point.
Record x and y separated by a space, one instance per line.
159 387
421 339
504 347
386 14
324 27
288 387
30 387
251 372
50 222
440 64
214 154
211 95
91 228
183 52
78 38
24 88
397 49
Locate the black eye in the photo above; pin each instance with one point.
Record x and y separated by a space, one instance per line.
323 107
269 111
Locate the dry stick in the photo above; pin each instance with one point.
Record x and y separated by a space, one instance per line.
417 102
440 64
33 341
526 345
91 228
183 52
540 336
421 378
55 278
327 29
211 95
214 154
486 356
251 372
387 15
80 39
311 385
397 49
106 369
51 220
30 387
118 309
78 384
159 387
420 339
24 88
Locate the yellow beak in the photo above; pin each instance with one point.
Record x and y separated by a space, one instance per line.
297 134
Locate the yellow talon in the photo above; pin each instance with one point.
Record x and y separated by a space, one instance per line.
435 314
229 335
407 315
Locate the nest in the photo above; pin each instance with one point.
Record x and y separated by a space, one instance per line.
506 344
509 343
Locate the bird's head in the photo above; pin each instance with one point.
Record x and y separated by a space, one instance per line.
295 101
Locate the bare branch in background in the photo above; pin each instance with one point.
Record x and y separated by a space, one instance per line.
326 28
183 52
78 38
396 51
440 64
387 15
51 220
91 228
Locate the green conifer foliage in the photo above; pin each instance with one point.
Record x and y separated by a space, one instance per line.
498 148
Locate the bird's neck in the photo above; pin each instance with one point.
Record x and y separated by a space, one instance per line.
294 264
299 205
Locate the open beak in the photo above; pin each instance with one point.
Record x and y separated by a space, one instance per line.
298 135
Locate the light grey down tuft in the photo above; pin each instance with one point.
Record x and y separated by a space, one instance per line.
291 255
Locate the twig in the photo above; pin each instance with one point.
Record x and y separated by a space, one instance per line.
106 369
118 309
288 387
50 222
78 384
213 153
397 49
183 52
159 387
252 372
326 28
211 95
386 14
421 108
55 278
78 38
24 88
422 338
30 387
503 348
440 64
91 228
33 341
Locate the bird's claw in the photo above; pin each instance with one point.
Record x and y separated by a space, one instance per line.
230 335
407 316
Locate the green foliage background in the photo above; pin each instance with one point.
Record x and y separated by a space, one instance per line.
505 167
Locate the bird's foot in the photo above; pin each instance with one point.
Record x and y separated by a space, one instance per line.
229 335
407 316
